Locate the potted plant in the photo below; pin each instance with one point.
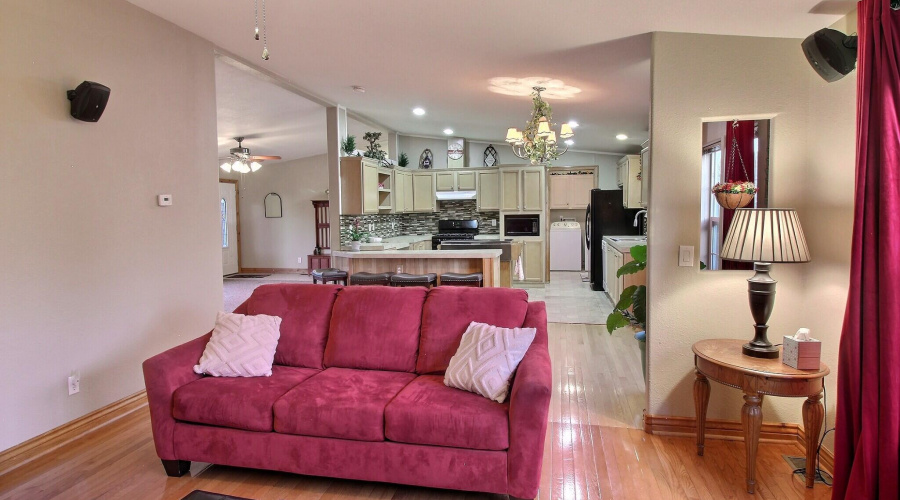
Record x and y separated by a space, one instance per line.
348 145
356 235
373 150
734 194
403 160
632 307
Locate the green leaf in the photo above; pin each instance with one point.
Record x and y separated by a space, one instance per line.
702 265
630 268
639 253
626 298
639 303
615 321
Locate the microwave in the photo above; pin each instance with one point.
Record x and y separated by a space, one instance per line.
522 225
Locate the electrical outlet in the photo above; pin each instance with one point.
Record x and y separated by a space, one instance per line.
299 260
74 383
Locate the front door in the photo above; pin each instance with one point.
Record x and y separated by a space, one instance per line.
228 222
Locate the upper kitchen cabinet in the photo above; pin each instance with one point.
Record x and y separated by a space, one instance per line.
423 188
454 181
488 190
465 181
629 169
571 188
645 173
403 191
366 186
522 189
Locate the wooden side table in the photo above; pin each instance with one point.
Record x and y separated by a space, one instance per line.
721 360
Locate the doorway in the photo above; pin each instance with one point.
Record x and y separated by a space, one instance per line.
230 226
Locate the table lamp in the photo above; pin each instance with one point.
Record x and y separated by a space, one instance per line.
764 236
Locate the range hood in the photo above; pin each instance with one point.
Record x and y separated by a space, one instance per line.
455 195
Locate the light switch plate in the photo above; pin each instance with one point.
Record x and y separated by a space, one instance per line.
164 200
686 256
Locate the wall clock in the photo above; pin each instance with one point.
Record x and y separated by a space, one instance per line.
426 159
491 158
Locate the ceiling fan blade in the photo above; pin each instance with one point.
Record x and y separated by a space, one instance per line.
262 157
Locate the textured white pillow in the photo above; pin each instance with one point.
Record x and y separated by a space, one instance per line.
241 346
486 359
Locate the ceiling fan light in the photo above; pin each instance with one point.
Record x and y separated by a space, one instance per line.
255 166
226 167
565 131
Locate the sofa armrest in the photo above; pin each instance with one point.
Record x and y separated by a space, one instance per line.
529 407
163 374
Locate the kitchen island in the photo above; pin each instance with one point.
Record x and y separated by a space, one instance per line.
485 261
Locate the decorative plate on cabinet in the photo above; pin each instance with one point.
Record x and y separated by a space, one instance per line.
426 159
491 158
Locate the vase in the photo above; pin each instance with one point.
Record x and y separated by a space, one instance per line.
732 201
641 337
354 246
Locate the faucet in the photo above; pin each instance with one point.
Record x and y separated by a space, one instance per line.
637 215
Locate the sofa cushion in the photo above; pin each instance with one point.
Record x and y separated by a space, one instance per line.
241 403
428 412
305 312
340 403
240 346
448 312
375 328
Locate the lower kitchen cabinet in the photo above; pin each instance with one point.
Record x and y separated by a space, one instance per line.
533 260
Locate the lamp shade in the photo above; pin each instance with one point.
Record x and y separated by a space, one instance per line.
512 135
565 131
543 128
765 235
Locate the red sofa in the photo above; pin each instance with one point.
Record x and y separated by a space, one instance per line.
357 392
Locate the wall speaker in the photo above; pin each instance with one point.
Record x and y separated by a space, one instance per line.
88 101
831 53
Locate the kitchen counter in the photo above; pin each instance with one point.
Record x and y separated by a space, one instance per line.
490 253
485 261
624 246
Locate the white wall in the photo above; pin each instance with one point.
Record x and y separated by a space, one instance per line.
96 277
276 243
812 169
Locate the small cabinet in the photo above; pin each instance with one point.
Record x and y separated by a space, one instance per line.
645 173
522 189
445 181
403 191
465 181
571 189
629 168
488 190
423 192
533 260
509 190
366 187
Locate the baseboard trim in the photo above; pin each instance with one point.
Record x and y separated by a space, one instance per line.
39 446
771 432
280 270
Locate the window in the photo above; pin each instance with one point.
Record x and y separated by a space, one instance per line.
711 210
223 207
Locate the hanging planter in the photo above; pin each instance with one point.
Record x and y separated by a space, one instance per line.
735 194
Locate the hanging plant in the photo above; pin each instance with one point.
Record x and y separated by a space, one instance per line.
735 194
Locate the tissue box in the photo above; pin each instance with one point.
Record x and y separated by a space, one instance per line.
801 354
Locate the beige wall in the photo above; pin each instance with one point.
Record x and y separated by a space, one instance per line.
812 169
276 243
96 277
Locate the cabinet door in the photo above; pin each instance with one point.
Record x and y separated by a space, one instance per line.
533 257
399 192
488 194
444 181
580 194
620 281
509 190
408 193
370 188
645 174
632 194
423 192
533 189
560 189
465 181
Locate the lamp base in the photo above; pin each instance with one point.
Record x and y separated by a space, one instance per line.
770 352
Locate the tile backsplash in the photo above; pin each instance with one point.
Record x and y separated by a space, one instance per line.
388 225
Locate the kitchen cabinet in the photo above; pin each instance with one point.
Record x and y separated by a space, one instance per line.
522 189
420 245
488 190
366 187
465 181
531 253
454 181
403 191
571 189
629 169
423 192
615 259
645 173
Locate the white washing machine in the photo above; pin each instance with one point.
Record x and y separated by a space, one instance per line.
565 246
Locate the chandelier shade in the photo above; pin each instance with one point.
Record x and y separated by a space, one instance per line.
538 141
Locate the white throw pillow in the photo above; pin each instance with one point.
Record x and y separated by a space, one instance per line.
486 359
241 346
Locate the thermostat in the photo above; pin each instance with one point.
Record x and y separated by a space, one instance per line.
164 200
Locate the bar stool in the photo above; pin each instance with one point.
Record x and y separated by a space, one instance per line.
371 279
460 279
404 279
332 274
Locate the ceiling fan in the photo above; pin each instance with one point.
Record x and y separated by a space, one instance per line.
240 160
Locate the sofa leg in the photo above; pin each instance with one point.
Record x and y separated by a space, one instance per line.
176 468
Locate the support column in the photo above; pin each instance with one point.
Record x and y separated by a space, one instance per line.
336 131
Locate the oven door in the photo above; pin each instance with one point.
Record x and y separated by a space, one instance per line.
522 225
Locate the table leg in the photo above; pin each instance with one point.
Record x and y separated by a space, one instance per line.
813 414
701 402
751 418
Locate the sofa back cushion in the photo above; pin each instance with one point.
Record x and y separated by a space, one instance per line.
448 312
305 312
375 328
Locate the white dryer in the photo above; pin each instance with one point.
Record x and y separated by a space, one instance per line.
565 246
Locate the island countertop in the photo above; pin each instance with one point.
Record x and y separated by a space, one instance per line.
422 254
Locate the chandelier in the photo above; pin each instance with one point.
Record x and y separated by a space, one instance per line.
538 143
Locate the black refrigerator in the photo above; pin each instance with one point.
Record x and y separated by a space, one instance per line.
606 216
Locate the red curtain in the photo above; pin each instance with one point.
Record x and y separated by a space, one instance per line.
744 133
867 439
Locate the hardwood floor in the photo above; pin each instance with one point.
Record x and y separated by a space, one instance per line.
593 450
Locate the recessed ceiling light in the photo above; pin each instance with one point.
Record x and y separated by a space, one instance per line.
570 142
573 124
361 90
418 111
621 137
448 131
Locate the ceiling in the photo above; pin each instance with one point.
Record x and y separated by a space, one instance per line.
442 57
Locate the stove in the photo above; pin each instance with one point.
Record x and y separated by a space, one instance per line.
454 229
